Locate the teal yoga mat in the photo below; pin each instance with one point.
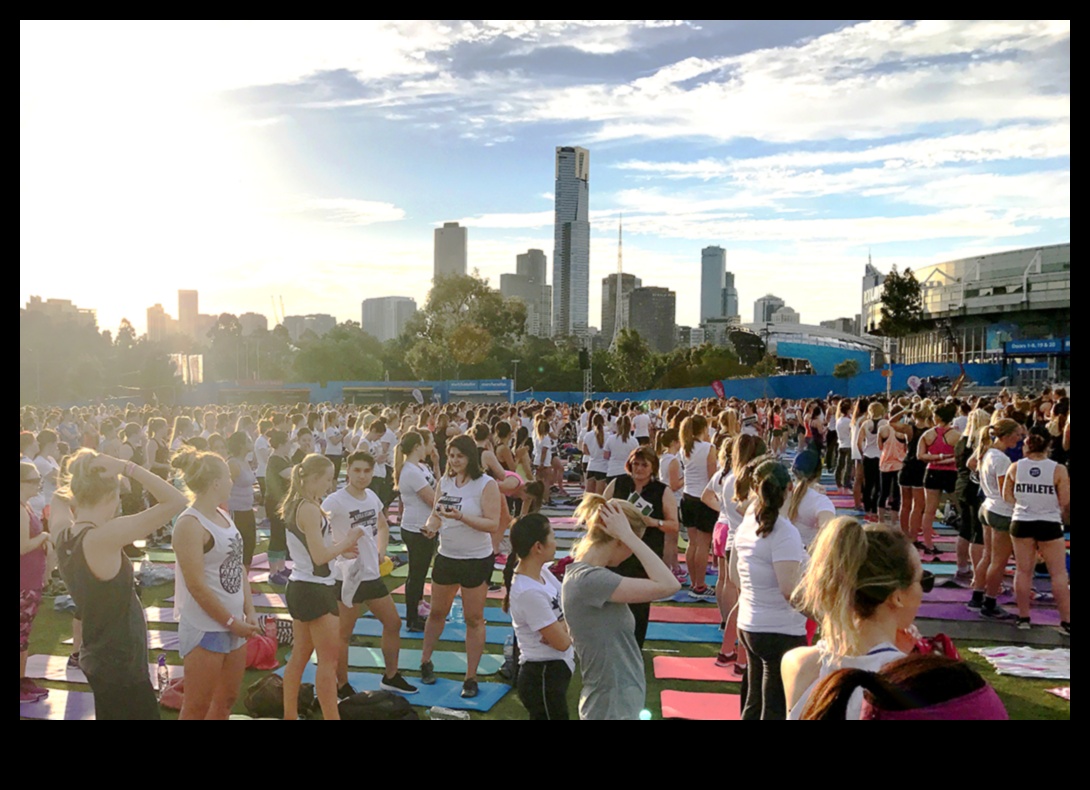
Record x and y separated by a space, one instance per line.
683 632
454 632
445 693
444 661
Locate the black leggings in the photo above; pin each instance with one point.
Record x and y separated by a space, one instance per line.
844 467
421 550
831 446
246 522
890 498
543 689
278 536
872 484
124 702
336 461
765 698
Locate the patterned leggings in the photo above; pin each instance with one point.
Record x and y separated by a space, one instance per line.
29 601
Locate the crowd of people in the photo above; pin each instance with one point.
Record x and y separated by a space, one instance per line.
816 609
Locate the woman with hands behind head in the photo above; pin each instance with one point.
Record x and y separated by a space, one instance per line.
211 591
114 653
595 603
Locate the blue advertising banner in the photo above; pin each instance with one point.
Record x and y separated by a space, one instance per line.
1050 346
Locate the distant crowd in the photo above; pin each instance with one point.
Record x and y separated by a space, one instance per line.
816 609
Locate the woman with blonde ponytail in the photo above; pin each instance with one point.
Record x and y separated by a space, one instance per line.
765 565
699 466
864 585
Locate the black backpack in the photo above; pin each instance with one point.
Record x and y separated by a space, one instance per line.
376 706
265 698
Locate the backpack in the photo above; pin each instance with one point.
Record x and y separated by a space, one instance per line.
376 706
939 644
265 698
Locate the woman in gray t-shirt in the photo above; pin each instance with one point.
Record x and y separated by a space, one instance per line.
595 603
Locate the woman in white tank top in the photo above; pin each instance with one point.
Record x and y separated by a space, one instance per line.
698 458
1040 491
212 594
865 608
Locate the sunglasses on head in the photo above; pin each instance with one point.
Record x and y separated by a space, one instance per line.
927 581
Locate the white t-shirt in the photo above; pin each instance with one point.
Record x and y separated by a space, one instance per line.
262 451
696 468
806 522
715 485
734 511
375 449
346 511
844 432
641 425
994 466
457 540
536 605
596 452
333 441
870 430
546 443
664 467
414 510
1035 491
619 450
960 423
48 470
761 606
856 455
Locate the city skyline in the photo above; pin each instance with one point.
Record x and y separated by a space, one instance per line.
315 161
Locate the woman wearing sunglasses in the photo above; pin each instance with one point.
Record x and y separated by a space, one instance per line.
864 584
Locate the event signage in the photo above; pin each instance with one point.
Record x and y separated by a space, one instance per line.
1050 346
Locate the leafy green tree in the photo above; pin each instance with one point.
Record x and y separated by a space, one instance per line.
629 363
902 304
767 366
345 353
846 370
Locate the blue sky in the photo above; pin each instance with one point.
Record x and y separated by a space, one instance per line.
313 160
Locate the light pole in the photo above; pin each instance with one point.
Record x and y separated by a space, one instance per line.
515 377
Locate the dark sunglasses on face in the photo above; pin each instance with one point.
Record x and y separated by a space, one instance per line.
927 581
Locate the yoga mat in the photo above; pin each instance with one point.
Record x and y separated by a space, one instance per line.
269 600
941 568
495 596
1062 693
683 632
157 640
159 614
676 614
453 632
259 577
61 705
445 693
682 596
409 660
1027 662
693 668
955 611
701 706
158 555
56 668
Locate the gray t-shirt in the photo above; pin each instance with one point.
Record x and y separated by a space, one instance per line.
604 635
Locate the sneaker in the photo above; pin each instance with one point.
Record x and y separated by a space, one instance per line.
682 576
1065 629
28 686
423 609
933 551
707 594
494 587
996 613
469 688
918 544
740 669
427 673
280 578
975 605
1024 624
964 576
27 696
725 659
398 684
415 626
345 691
73 661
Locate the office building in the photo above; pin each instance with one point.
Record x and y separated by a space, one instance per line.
187 313
785 315
62 309
845 325
160 325
713 268
253 322
385 317
532 264
629 282
571 242
764 307
652 313
730 296
451 250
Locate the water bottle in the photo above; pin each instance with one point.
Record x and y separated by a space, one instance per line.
162 674
509 648
270 626
438 713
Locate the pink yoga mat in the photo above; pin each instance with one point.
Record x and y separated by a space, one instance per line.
701 706
61 705
495 596
678 614
692 668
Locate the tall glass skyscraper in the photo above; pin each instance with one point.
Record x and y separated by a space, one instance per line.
571 242
713 268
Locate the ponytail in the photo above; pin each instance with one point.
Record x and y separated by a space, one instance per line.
310 466
526 533
830 698
599 424
691 427
772 482
624 427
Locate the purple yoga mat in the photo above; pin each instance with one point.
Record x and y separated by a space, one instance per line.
60 704
957 611
964 594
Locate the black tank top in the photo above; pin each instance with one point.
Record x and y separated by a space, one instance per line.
115 634
654 537
138 458
913 443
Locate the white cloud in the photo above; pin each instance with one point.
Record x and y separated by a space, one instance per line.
351 212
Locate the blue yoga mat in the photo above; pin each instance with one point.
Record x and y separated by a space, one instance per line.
684 632
492 614
409 660
454 632
446 693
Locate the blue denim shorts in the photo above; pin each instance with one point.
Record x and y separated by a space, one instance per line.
212 641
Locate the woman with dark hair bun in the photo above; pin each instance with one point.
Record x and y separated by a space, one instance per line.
546 656
1040 490
914 688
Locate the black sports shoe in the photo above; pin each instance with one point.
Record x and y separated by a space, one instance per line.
469 688
398 684
996 613
415 626
1065 628
1023 624
427 673
974 604
345 691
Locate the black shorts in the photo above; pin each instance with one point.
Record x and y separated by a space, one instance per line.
996 521
466 573
643 440
696 515
308 601
370 590
940 480
1040 531
384 489
912 474
595 475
